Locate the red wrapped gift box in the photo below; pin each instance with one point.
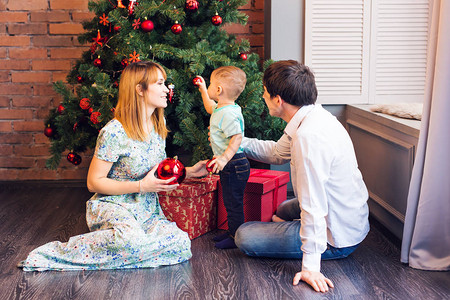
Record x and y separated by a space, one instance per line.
265 190
192 205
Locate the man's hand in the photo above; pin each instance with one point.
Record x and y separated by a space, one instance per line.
315 279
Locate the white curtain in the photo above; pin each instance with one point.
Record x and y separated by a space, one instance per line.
426 235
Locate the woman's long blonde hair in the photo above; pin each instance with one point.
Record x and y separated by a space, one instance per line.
129 107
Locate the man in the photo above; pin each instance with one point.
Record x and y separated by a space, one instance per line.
328 218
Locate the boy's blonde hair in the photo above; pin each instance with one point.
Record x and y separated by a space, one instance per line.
232 79
129 107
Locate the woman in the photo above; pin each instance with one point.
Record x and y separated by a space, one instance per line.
128 227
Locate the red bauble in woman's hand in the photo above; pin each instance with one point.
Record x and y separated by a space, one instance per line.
210 168
171 167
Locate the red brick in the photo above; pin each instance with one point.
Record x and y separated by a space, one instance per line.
16 138
257 28
28 125
47 64
59 76
4 101
8 174
44 90
2 52
15 89
259 4
67 52
31 150
50 16
30 76
255 16
15 114
16 162
6 64
13 17
40 138
4 76
82 16
38 174
14 41
25 29
2 29
66 28
39 101
5 126
246 6
66 4
3 4
42 113
6 150
28 5
78 172
52 41
236 28
27 53
255 40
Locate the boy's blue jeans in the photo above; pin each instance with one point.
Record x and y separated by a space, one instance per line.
233 179
280 239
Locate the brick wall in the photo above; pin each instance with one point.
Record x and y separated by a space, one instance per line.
38 45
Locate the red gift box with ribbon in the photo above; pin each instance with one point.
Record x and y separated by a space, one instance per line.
265 190
193 205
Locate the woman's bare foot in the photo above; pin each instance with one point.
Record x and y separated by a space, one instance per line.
275 218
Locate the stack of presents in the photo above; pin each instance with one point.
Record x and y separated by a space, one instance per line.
197 205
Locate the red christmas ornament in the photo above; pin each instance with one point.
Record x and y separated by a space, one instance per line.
77 160
116 84
94 117
171 88
197 80
117 28
61 109
75 126
171 167
85 103
243 56
49 131
216 20
192 5
210 168
80 79
98 62
71 156
176 28
147 26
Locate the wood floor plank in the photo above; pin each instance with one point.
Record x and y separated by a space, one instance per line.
32 216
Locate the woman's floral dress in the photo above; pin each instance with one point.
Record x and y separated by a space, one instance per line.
127 231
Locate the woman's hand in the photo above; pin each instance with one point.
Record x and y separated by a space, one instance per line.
152 184
198 170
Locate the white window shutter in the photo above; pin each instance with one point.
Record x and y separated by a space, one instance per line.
337 48
398 58
367 51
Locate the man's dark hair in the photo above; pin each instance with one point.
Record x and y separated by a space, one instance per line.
292 81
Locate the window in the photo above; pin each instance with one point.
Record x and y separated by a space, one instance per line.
367 51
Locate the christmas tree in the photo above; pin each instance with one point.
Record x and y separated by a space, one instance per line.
186 37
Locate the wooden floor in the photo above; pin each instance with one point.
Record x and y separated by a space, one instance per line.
32 214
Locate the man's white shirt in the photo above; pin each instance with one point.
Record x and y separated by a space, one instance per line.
325 178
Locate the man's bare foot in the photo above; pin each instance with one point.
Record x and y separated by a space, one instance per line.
275 218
